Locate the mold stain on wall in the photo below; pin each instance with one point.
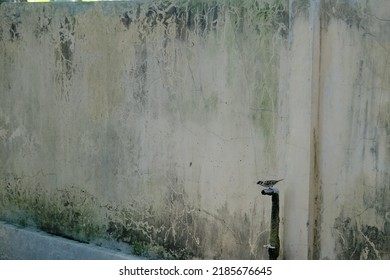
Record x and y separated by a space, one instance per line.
359 225
180 227
360 241
164 41
43 26
176 231
64 56
69 212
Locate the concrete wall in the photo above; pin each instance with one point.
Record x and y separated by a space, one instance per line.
150 123
354 148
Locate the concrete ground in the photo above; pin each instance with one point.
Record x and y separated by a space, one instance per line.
26 244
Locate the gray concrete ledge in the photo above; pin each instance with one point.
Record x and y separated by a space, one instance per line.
26 244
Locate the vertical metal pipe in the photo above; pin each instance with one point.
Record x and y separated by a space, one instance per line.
273 252
274 241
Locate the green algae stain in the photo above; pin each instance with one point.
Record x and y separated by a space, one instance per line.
69 213
255 31
360 241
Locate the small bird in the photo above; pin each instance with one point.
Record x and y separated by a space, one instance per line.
268 184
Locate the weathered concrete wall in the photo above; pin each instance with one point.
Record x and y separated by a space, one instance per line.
354 148
150 123
143 122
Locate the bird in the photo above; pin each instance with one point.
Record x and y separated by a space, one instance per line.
268 184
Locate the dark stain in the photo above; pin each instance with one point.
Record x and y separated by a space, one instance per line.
346 11
200 17
131 16
374 151
14 28
155 241
127 232
196 17
356 242
202 21
214 15
66 39
64 55
43 25
175 231
140 75
14 32
126 20
387 228
163 12
316 193
190 20
68 212
361 63
365 129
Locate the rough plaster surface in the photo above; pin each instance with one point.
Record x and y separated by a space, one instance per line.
146 123
150 123
354 150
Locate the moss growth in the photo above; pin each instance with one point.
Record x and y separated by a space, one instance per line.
176 231
267 22
73 213
165 234
262 23
351 13
151 251
355 241
69 213
298 8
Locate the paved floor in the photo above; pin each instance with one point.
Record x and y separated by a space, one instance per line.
26 244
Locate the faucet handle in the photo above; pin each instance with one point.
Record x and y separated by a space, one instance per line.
269 246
